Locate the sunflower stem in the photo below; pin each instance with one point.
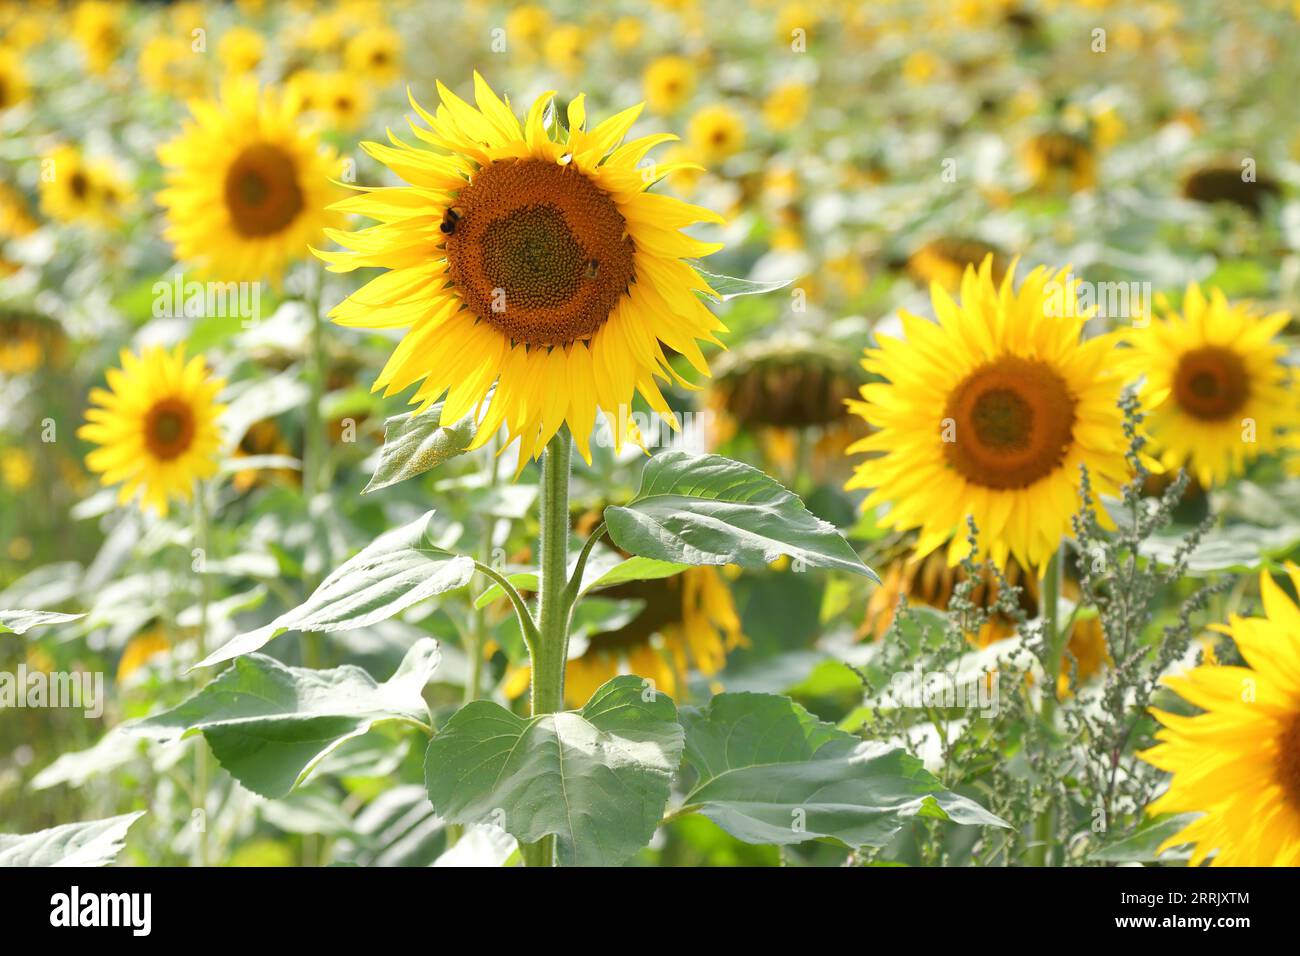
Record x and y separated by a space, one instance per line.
202 767
552 646
1049 613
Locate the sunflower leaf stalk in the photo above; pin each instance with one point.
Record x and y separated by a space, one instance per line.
551 649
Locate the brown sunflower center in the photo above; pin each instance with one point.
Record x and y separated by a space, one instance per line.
79 185
4 93
538 250
262 191
1211 383
1009 423
169 429
1288 762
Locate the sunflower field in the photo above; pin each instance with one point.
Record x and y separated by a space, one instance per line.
654 434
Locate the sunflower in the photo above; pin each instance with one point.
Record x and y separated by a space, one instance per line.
1060 162
539 265
13 80
155 425
247 187
375 53
1238 762
342 99
932 582
1217 390
241 50
74 190
29 341
565 46
139 650
944 260
786 106
989 413
669 82
717 132
168 65
15 219
97 27
689 621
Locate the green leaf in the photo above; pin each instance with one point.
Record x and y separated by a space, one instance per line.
20 622
770 772
598 778
706 509
728 287
270 725
396 570
1141 846
414 444
74 844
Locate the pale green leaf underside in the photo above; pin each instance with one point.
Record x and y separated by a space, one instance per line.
269 725
771 773
95 843
728 287
396 570
597 778
20 622
415 444
706 509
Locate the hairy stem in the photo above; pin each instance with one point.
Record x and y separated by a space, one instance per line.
552 645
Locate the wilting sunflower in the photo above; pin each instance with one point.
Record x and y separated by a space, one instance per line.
790 393
537 264
989 412
247 186
1229 183
1238 762
1216 392
669 82
945 260
155 425
689 621
1058 161
932 582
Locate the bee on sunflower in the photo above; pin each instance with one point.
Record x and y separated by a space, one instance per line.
1217 390
989 413
155 425
529 258
1238 761
247 186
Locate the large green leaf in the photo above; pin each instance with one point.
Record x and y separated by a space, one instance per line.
770 772
396 570
270 725
20 622
597 778
414 444
73 844
706 509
